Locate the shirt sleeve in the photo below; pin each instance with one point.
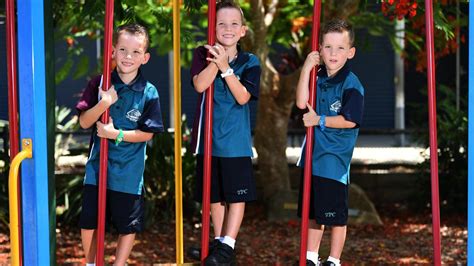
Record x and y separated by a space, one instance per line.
352 106
90 96
151 119
199 61
251 76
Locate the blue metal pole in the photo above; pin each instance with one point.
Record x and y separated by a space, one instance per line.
32 102
470 155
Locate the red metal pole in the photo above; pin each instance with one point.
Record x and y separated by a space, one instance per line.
104 148
433 134
206 191
13 101
309 138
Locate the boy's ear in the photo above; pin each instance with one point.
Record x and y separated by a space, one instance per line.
352 52
243 31
147 57
113 52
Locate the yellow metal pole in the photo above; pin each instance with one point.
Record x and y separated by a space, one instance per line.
177 132
27 152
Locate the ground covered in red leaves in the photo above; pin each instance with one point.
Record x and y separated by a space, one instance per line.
403 239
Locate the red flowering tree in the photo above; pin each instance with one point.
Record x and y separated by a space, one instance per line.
445 30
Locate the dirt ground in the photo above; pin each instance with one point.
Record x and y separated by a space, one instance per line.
404 239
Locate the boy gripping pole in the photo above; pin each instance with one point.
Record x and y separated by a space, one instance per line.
309 137
209 96
100 239
236 77
135 116
337 116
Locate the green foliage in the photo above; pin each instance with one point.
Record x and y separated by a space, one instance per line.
68 187
74 20
452 153
64 140
4 183
160 177
68 198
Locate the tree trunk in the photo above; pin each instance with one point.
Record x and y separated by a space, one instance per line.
274 107
271 133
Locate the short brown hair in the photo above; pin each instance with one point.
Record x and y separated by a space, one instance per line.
134 29
338 25
230 4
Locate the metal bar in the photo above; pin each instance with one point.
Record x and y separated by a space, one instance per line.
458 56
36 209
470 155
433 132
309 138
13 196
104 148
177 133
13 98
209 96
12 77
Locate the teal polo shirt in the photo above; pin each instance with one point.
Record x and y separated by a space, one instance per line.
137 107
343 94
231 132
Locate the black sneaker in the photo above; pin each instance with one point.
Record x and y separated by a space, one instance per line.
195 252
328 263
308 263
224 255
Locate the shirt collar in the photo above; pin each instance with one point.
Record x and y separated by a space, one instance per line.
241 59
339 77
138 84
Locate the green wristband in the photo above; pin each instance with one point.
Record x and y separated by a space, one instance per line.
119 138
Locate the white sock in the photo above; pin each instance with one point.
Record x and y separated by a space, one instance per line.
229 241
90 264
312 256
334 260
220 238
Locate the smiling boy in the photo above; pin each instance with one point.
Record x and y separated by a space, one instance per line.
134 117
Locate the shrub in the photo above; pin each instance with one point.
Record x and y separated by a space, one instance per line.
452 154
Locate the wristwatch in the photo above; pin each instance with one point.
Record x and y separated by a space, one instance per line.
228 72
322 122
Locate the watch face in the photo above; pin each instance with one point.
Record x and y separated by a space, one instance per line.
228 72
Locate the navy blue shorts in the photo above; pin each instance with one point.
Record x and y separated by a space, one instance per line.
328 201
232 179
124 211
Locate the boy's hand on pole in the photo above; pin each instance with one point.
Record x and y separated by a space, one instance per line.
311 118
109 97
311 61
221 58
108 130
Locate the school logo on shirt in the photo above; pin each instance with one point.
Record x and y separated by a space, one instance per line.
336 106
133 115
